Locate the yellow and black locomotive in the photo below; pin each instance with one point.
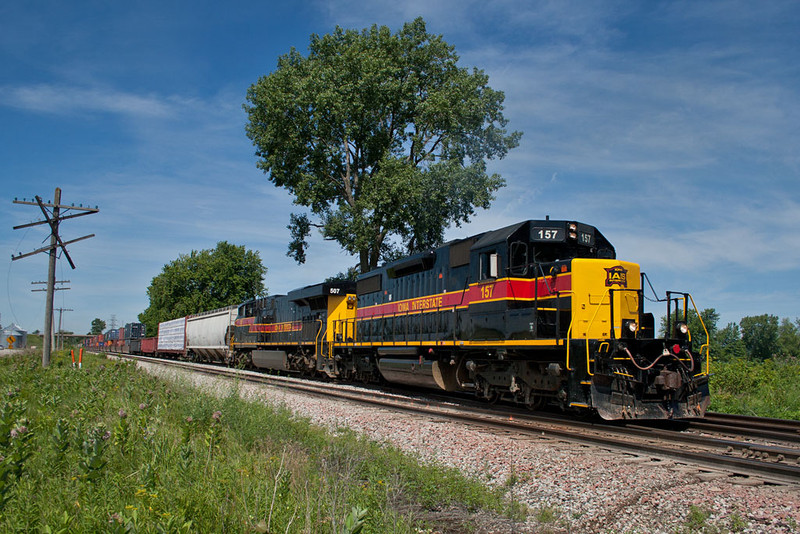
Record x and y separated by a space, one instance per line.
540 312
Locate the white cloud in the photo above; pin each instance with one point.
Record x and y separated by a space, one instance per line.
68 100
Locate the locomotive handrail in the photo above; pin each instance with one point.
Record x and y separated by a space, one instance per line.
707 344
317 343
569 338
586 335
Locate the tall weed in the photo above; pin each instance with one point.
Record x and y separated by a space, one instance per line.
108 448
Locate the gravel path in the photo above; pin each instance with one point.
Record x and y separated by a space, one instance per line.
568 487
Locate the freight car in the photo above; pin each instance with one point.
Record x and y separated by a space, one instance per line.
202 337
539 312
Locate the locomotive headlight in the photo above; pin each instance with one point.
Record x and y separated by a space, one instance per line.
572 230
682 329
629 328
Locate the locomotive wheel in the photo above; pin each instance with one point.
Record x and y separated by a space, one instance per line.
535 402
487 392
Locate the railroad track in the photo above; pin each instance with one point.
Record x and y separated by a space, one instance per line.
776 461
746 425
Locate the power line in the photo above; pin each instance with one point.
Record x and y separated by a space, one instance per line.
53 216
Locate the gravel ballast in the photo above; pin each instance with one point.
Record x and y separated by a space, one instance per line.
568 487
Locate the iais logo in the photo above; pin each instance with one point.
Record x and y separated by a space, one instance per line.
617 276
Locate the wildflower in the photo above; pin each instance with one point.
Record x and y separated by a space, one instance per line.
114 517
216 415
142 406
122 413
14 433
106 435
189 419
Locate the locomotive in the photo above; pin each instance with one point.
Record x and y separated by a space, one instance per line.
539 312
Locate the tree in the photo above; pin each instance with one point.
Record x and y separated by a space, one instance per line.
381 136
728 344
789 338
203 281
98 326
760 336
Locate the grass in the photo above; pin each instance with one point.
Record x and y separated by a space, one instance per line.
110 449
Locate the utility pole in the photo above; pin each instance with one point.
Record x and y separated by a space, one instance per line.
60 333
53 218
51 334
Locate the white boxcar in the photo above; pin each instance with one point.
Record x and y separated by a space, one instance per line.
208 334
172 336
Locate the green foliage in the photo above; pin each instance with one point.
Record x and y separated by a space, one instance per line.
98 326
760 336
696 520
728 344
380 136
769 389
789 338
548 514
355 520
202 281
124 452
92 463
351 275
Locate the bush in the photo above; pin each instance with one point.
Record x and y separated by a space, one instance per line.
768 389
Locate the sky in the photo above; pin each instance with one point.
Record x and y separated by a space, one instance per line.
673 127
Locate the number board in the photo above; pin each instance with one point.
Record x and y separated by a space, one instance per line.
539 233
586 238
